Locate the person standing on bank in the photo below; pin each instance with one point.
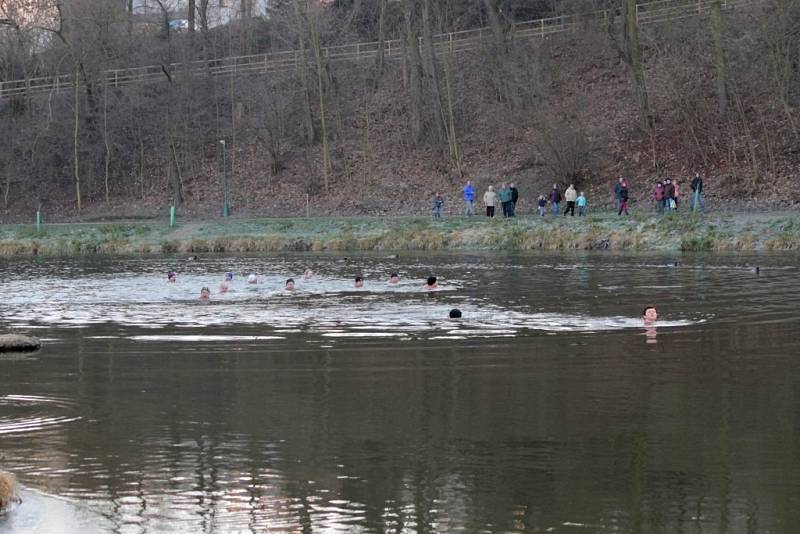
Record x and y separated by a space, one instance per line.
581 202
438 205
555 199
617 189
514 198
504 195
541 203
489 200
669 195
623 199
570 195
698 202
469 199
658 196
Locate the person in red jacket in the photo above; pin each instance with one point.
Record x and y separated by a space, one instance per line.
658 196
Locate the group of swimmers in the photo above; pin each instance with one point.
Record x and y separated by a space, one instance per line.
205 293
649 314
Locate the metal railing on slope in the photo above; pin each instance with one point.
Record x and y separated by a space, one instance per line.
454 42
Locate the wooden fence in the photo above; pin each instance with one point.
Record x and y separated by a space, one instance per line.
448 43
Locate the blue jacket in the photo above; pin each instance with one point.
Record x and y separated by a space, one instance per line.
469 192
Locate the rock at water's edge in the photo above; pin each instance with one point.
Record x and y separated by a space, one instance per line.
17 343
8 491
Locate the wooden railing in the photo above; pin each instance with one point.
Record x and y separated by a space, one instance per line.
455 42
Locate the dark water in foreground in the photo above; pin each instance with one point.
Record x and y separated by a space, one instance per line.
549 408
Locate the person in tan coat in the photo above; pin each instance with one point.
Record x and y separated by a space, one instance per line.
570 195
489 200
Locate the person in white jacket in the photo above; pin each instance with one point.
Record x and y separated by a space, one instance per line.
489 200
570 195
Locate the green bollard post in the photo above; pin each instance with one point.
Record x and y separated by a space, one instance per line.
38 221
171 216
696 203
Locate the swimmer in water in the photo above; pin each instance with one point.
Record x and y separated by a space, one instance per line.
359 282
289 284
394 278
308 275
172 277
455 313
431 283
252 279
205 293
650 315
224 286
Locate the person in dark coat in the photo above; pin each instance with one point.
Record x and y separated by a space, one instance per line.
669 194
514 198
698 200
623 199
555 199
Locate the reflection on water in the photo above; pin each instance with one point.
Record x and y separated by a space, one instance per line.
549 407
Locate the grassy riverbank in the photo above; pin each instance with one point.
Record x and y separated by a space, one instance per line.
675 232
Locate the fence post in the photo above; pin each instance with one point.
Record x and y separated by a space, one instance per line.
171 216
450 36
358 51
542 23
38 221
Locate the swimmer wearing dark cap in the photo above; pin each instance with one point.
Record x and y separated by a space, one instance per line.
432 283
289 284
172 276
359 282
455 313
394 278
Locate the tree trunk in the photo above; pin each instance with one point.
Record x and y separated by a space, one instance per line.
452 140
105 142
719 56
75 142
438 118
191 14
498 51
315 43
379 56
414 62
633 56
302 67
203 15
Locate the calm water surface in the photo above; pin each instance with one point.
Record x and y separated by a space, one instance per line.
547 408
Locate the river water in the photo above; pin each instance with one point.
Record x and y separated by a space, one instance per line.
548 407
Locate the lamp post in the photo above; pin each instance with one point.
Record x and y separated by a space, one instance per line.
225 207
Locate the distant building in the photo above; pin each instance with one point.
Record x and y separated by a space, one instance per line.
218 12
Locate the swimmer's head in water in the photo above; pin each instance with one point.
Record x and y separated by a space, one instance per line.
205 293
394 278
359 282
229 276
308 274
171 276
432 281
650 314
290 284
252 279
455 313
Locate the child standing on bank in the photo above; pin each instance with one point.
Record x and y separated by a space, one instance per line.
542 205
581 203
438 205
